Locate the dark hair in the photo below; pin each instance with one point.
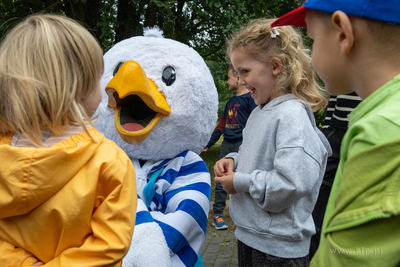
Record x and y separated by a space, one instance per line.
234 72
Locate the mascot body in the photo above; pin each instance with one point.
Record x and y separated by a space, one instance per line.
160 106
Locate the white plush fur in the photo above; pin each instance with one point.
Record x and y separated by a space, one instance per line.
193 97
153 249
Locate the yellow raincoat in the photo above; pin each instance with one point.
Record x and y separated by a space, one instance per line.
73 204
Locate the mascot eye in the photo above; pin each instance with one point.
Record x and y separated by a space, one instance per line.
169 75
117 68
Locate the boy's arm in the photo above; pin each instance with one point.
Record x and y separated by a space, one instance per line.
375 243
15 257
112 222
219 130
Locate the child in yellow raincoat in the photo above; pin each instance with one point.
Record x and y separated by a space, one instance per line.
67 194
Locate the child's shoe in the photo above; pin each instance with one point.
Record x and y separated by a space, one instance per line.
219 222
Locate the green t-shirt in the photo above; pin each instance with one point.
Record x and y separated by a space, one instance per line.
365 196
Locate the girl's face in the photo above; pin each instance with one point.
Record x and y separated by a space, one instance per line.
92 101
258 77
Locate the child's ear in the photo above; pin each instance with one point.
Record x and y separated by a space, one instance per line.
277 65
343 26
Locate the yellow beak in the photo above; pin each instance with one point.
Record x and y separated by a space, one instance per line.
131 80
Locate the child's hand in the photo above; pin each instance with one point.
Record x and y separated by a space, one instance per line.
227 182
31 261
223 166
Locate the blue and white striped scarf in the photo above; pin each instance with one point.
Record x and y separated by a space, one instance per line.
180 203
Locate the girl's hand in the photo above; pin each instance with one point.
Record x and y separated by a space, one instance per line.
227 182
223 166
39 263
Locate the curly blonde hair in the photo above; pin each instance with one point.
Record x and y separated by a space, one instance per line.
48 64
297 76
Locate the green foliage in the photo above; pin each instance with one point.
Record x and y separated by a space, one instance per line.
217 70
7 25
204 25
223 95
12 12
219 73
107 24
319 118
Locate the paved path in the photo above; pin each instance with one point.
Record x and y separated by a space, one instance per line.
220 246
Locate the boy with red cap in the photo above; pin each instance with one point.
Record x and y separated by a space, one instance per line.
357 48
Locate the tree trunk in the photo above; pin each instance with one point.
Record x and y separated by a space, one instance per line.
151 14
128 16
92 16
180 23
88 14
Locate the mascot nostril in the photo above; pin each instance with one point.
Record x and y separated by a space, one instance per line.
160 106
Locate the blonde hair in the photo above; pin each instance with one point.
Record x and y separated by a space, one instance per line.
48 64
297 75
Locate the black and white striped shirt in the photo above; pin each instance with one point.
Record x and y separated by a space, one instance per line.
338 108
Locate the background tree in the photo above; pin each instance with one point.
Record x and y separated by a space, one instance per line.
202 24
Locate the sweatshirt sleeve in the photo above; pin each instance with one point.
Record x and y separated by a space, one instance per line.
112 222
234 156
293 164
281 187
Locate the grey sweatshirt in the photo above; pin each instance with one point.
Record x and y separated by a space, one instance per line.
279 170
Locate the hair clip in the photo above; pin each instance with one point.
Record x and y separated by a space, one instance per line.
274 32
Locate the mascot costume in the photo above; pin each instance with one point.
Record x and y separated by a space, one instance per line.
160 106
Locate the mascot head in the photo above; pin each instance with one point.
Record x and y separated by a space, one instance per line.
159 98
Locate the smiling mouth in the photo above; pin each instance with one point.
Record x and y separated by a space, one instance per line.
135 115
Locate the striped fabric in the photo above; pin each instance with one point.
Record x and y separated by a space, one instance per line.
180 205
338 109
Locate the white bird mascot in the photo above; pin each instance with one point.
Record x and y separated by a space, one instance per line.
160 106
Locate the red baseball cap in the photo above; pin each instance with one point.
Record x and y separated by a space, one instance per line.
384 10
293 18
